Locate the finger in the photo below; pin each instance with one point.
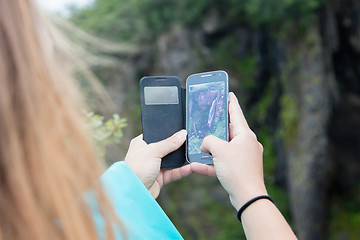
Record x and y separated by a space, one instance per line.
237 120
213 145
137 141
138 138
203 169
176 174
261 147
170 144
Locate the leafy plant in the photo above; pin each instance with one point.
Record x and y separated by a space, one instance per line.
103 132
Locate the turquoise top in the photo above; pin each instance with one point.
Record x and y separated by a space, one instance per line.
138 211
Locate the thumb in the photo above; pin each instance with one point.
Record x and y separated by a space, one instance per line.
170 144
212 144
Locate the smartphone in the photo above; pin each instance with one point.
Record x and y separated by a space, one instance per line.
162 113
206 112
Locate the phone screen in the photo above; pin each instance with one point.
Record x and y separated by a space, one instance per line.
207 114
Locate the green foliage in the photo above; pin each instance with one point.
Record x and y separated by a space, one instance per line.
225 58
276 11
105 133
113 19
207 218
137 20
141 21
345 215
289 117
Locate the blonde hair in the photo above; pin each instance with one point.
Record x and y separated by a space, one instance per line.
46 157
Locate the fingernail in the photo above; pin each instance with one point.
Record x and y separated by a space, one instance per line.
181 134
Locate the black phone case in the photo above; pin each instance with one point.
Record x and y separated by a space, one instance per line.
161 121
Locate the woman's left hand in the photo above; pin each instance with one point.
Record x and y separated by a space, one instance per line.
145 160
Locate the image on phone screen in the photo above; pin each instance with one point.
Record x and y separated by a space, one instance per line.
207 113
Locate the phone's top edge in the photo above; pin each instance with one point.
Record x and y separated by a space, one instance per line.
159 77
205 73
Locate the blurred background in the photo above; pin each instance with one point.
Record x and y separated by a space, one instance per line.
295 66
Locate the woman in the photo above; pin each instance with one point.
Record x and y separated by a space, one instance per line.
47 161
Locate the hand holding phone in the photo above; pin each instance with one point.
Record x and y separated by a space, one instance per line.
206 112
238 163
145 159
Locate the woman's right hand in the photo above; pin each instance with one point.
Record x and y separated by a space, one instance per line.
239 163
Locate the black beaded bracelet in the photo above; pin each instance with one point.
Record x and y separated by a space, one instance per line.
241 210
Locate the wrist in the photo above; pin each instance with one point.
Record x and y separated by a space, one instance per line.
239 198
250 202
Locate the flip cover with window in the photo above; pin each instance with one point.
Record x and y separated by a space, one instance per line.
163 113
